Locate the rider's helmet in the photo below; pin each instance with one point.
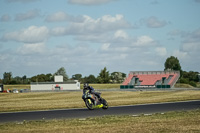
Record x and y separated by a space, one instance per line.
85 85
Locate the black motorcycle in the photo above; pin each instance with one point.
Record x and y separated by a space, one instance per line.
93 102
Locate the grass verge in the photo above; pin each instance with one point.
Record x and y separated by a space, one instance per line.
10 102
96 86
178 122
11 87
181 85
104 86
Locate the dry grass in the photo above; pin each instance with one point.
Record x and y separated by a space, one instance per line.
60 100
105 86
39 101
178 122
96 86
130 98
181 85
170 122
11 87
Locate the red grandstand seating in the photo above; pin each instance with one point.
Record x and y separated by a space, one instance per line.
173 79
150 78
128 79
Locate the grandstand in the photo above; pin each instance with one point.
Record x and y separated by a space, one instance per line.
150 79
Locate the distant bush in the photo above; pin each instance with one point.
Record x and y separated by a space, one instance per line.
184 80
192 83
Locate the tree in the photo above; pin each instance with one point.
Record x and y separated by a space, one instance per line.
117 77
189 78
49 77
172 63
7 76
104 76
8 79
76 76
16 80
90 79
24 78
193 76
62 72
42 78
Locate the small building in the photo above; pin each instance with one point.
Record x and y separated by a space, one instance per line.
58 78
57 85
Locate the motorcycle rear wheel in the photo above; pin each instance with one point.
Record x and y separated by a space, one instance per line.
105 104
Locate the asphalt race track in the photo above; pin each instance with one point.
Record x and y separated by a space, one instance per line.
84 113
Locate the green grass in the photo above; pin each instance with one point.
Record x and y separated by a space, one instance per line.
198 85
171 122
10 102
181 85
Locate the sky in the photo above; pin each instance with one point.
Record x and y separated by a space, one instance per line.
84 36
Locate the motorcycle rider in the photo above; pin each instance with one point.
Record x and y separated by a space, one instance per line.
91 89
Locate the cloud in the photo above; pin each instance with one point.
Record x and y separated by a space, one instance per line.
131 53
88 29
56 17
90 26
32 34
31 48
191 47
191 44
144 41
89 2
20 1
154 22
121 34
41 58
62 16
192 36
26 16
127 44
183 56
155 2
115 49
5 18
187 37
161 51
176 33
198 1
105 46
189 50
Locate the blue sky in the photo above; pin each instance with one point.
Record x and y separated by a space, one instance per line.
84 36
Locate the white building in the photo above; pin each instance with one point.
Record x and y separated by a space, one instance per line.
57 85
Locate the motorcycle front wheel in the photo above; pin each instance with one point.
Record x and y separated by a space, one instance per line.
89 104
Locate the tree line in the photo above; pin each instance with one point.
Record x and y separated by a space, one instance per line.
103 77
171 63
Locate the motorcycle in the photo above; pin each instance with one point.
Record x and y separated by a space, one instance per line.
93 102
